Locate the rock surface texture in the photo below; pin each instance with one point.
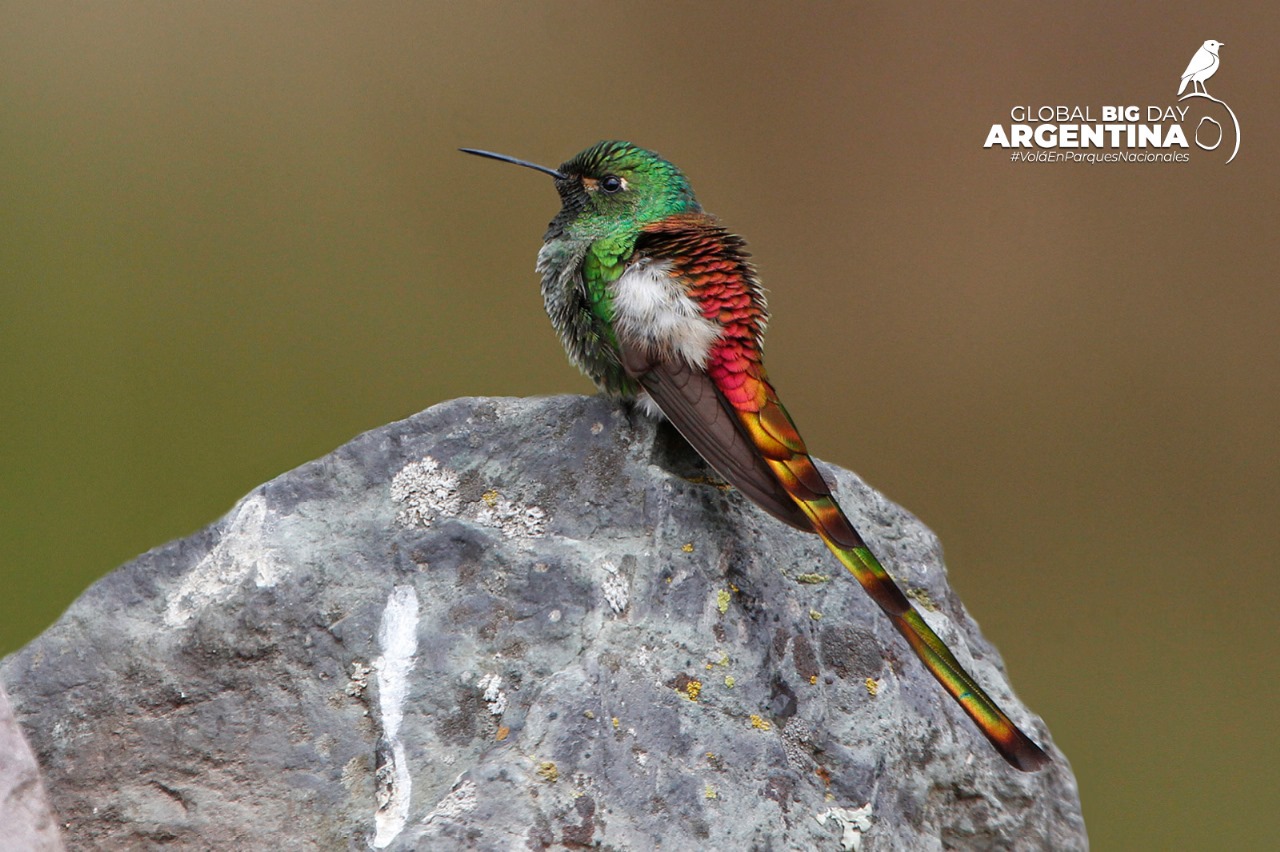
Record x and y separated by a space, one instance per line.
26 822
521 624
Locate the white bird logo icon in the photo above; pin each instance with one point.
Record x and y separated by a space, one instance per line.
1201 67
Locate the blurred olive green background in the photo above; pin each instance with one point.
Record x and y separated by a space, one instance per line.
235 235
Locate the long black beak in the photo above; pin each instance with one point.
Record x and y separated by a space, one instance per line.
504 158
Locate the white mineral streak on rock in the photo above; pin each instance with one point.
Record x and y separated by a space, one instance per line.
852 823
241 552
398 638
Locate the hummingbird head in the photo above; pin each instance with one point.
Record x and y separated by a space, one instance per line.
611 188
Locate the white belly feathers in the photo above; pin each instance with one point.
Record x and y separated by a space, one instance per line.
651 308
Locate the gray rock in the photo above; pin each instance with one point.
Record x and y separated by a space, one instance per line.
521 624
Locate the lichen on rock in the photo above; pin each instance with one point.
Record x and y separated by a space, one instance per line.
509 624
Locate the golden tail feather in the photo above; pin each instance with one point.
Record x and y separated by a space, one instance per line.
804 483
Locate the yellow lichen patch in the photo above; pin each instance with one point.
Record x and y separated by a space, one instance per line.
812 579
490 498
760 723
687 686
873 686
590 714
729 681
813 679
616 723
711 792
687 547
815 615
548 772
921 596
722 600
502 733
706 480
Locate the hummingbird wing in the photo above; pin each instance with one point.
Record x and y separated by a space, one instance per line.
690 400
728 403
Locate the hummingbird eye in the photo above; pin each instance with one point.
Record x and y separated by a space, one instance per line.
611 183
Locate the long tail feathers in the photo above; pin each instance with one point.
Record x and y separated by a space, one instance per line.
1015 746
729 413
775 435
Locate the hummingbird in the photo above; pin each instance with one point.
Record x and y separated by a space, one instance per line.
656 301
